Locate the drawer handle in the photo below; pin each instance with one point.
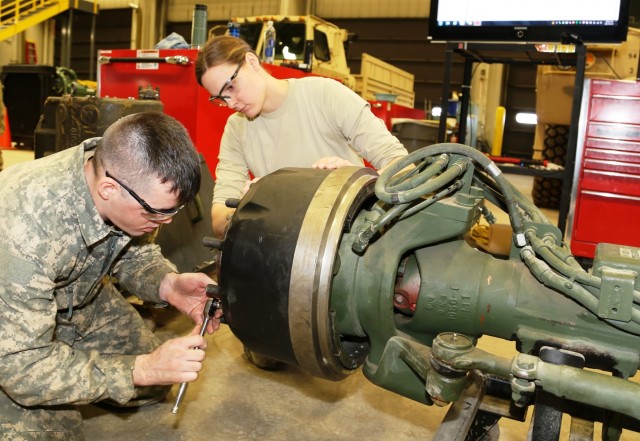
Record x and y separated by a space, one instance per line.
611 174
610 195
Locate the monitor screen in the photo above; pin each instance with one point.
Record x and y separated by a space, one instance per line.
538 21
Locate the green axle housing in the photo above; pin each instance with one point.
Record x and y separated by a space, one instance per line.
350 271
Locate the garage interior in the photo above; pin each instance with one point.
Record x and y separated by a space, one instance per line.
482 89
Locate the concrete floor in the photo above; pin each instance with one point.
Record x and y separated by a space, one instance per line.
234 400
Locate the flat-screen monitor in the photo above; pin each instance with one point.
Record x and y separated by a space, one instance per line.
529 21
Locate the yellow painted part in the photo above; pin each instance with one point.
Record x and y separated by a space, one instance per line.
498 132
28 13
20 15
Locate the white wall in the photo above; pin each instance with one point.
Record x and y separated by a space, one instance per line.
371 8
182 10
9 53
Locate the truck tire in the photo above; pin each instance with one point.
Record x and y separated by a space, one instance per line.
547 191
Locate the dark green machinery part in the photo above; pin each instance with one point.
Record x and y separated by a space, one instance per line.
408 303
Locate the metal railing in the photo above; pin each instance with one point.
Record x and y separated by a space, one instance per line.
14 11
18 15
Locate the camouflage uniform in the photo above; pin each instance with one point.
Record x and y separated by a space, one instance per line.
67 336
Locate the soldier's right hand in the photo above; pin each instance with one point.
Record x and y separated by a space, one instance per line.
175 361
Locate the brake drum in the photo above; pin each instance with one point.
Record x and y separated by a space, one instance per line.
278 259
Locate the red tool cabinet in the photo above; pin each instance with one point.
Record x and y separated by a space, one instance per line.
606 194
171 73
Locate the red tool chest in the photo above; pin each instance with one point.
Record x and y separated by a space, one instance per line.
606 193
171 73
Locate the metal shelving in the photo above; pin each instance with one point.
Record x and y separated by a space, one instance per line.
514 53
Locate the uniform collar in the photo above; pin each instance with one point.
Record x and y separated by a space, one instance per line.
92 227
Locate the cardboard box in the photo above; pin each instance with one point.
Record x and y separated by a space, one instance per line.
554 96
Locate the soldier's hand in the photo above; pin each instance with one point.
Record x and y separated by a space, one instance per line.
175 361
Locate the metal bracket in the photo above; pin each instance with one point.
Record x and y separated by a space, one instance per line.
616 294
457 422
180 60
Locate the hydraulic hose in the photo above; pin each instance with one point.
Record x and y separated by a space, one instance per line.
517 223
400 211
546 252
534 212
577 292
403 192
488 215
426 182
563 253
546 275
490 189
408 182
435 198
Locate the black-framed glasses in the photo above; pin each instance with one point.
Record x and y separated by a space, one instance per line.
221 99
153 214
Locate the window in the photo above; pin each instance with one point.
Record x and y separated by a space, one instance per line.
321 50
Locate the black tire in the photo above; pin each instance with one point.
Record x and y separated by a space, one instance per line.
546 192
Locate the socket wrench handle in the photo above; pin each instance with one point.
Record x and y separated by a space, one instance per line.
210 308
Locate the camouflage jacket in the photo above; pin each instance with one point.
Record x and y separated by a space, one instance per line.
56 251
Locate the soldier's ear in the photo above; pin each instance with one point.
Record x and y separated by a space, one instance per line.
107 188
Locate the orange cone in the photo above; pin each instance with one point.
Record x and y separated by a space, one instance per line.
5 137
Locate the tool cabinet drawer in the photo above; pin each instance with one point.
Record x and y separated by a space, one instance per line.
612 144
607 217
612 155
615 88
606 196
598 180
613 166
623 132
620 110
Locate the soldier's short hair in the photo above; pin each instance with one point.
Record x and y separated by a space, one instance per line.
148 145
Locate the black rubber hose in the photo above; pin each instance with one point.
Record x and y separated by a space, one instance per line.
493 170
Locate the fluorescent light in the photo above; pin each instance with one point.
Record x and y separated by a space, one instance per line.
527 118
